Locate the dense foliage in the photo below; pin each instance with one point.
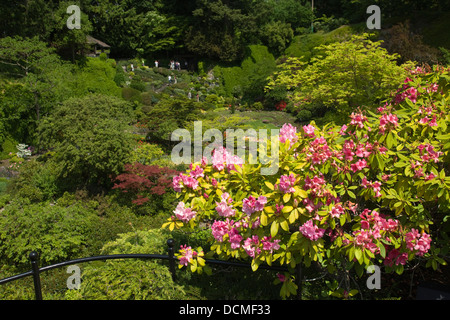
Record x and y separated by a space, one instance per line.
90 137
85 145
343 76
374 191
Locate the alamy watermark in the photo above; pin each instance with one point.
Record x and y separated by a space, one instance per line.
74 21
374 21
74 280
374 281
258 146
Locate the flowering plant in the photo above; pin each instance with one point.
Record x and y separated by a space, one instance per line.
373 191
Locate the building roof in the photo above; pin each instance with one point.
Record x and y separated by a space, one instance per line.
92 40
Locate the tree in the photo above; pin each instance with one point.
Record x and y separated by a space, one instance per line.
39 69
218 31
91 138
375 191
69 42
343 76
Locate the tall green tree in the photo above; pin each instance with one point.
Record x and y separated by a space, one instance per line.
42 76
91 137
346 75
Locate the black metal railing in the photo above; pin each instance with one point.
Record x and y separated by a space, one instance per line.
36 271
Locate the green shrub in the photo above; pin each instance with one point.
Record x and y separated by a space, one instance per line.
130 279
137 84
97 76
131 94
37 181
8 146
91 137
56 232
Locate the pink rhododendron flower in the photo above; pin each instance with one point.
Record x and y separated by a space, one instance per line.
183 213
394 256
222 207
221 158
427 153
358 165
309 131
376 186
251 246
281 277
388 121
337 210
286 184
318 151
235 238
197 172
418 242
250 204
220 228
288 132
182 180
186 255
311 231
270 245
358 120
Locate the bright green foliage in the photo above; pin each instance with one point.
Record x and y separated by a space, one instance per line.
41 81
344 198
248 80
57 233
95 76
168 115
91 137
130 279
344 76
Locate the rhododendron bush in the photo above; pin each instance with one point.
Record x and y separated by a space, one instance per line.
372 192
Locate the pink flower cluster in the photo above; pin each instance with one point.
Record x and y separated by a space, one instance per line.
197 172
180 181
183 213
288 132
316 185
318 151
418 171
427 153
221 158
349 150
358 165
372 227
221 228
337 210
358 120
418 242
186 255
394 256
406 92
250 204
388 122
286 184
376 186
223 208
311 231
252 246
309 131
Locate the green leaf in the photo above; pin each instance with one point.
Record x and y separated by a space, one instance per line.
351 194
359 255
269 185
284 225
274 228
